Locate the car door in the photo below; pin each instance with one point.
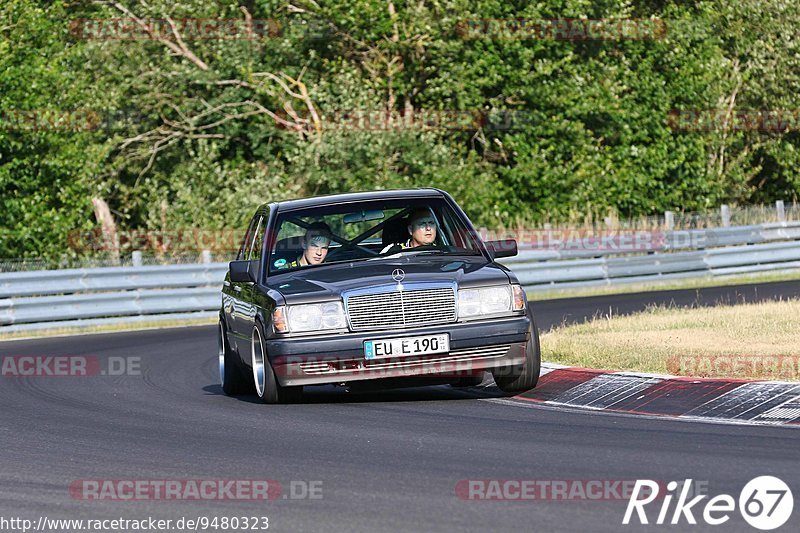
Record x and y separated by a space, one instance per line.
229 295
237 304
248 291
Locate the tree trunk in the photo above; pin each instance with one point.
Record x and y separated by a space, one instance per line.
110 238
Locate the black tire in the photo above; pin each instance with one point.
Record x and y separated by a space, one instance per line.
266 384
231 377
468 381
524 377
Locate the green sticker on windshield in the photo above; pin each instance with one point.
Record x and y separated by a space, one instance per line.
280 263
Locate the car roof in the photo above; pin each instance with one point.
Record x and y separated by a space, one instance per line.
330 199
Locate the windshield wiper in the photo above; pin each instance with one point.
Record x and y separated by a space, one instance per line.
440 252
433 252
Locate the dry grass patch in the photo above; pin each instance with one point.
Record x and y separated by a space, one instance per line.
760 341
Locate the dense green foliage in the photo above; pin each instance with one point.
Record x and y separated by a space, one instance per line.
198 132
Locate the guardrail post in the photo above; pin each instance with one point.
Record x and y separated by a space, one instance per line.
206 256
781 210
136 258
725 211
669 220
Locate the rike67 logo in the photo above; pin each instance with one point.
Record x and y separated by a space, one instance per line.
765 503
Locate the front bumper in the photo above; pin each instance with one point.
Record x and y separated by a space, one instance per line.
474 347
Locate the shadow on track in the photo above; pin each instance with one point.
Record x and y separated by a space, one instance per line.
332 394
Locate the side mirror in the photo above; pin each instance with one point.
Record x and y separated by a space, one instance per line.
504 248
243 271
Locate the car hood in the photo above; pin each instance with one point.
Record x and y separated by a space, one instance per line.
329 281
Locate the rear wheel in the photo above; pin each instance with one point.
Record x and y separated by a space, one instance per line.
231 377
522 377
267 387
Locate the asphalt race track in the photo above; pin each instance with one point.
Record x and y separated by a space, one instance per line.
386 461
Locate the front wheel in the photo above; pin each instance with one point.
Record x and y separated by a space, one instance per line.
524 377
267 387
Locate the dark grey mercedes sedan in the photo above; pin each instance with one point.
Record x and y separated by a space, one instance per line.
389 288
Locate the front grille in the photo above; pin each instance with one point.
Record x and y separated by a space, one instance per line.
398 309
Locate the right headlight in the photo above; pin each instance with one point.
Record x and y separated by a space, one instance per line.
309 317
490 301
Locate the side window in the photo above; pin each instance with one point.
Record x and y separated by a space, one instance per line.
258 241
456 232
290 231
248 239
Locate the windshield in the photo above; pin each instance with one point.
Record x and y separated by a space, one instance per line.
367 231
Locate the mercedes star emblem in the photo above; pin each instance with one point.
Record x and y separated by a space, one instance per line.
398 275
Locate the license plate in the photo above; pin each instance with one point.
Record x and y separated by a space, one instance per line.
423 345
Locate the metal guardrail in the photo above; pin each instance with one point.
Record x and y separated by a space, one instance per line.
60 298
572 244
47 282
538 275
108 304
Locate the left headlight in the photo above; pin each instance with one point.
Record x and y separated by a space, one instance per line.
490 301
309 317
